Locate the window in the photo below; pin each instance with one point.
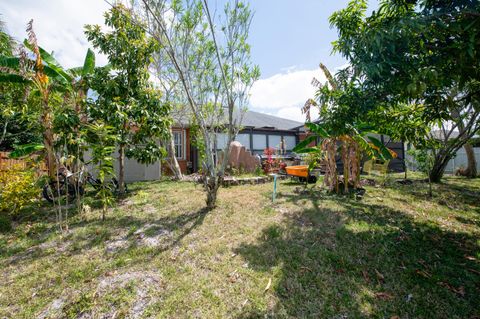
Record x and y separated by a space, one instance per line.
274 141
259 141
290 142
178 142
221 141
244 139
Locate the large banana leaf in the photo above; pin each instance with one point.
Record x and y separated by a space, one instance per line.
317 129
385 153
300 147
26 149
89 63
52 63
87 68
9 62
12 78
54 74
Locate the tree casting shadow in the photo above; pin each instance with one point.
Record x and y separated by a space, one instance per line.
365 261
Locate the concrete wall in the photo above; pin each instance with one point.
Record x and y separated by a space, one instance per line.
460 160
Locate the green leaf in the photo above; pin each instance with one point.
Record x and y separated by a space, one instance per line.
12 78
9 62
52 63
317 129
304 143
26 149
89 63
309 150
383 150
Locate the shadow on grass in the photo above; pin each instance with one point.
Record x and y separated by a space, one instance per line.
364 260
96 233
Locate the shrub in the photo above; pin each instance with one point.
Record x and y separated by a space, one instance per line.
271 164
18 189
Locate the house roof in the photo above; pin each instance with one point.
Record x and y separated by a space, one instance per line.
262 120
256 120
439 134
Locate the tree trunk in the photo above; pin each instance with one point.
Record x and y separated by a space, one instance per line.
4 133
471 171
438 168
212 185
172 158
121 171
48 140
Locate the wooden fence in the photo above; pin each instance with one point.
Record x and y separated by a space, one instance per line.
7 163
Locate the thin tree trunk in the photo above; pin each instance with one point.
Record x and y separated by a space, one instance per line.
471 171
430 192
4 133
121 171
48 140
172 158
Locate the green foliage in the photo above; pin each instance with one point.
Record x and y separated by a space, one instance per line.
423 159
18 189
412 69
125 100
26 149
101 139
314 158
411 52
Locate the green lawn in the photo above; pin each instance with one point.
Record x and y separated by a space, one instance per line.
309 255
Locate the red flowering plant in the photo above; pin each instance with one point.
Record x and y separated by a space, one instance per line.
271 164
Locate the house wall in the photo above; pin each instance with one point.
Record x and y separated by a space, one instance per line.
134 171
303 136
257 140
183 162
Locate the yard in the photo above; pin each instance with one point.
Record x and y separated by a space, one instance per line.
393 254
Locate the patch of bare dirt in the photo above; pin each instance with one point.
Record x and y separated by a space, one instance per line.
143 283
150 235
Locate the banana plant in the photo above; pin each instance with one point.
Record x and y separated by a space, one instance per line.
349 147
45 75
349 141
39 76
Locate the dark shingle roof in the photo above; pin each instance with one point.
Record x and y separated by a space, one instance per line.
262 120
255 120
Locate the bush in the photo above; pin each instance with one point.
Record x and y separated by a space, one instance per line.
18 189
5 224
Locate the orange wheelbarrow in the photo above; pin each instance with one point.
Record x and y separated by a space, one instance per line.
301 172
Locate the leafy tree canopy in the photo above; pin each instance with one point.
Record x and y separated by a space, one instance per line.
413 50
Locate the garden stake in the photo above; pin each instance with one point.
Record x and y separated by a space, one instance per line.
274 187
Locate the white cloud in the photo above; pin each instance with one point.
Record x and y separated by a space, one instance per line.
58 24
285 93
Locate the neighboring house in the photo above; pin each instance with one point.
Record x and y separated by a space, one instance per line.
259 132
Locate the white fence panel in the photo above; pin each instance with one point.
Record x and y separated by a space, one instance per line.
460 160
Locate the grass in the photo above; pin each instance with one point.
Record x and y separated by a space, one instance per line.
396 252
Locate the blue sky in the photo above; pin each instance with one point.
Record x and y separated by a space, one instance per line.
286 33
289 38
